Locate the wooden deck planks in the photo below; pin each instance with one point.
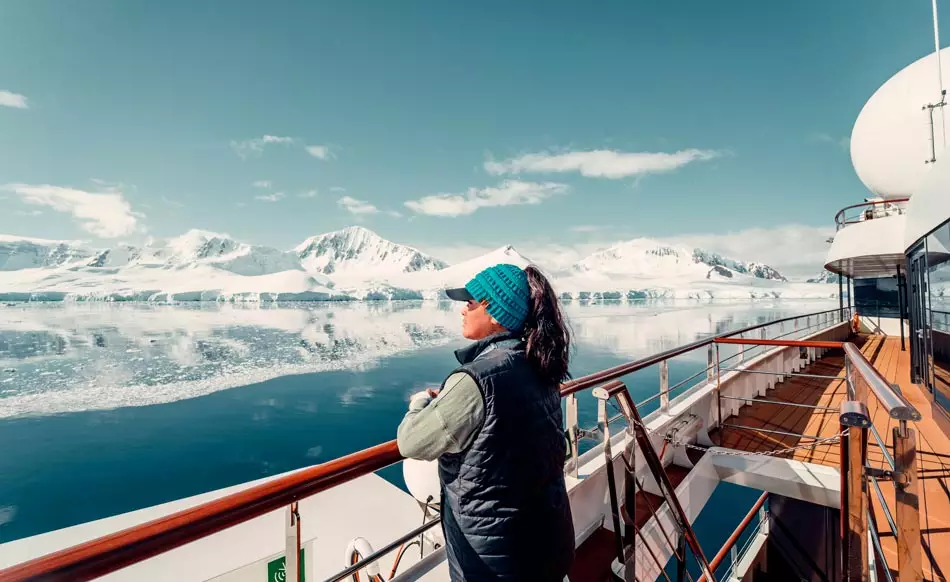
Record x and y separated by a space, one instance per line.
933 458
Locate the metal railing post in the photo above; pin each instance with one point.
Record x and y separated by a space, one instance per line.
665 385
854 420
681 560
604 426
572 432
709 363
292 544
741 350
719 397
908 504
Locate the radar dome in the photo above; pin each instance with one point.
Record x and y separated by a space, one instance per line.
890 141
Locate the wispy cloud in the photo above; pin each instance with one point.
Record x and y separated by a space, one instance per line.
321 152
104 214
15 100
588 228
265 184
337 189
172 203
308 194
272 197
508 193
843 142
608 164
255 146
355 206
29 212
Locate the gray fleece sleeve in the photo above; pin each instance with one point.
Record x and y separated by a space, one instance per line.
445 424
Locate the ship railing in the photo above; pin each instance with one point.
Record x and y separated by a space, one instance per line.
858 519
758 514
863 381
716 362
101 556
869 211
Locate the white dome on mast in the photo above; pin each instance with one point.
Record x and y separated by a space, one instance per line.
891 144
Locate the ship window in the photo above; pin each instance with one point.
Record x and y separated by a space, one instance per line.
877 297
937 357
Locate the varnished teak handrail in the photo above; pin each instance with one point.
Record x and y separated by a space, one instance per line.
109 553
734 538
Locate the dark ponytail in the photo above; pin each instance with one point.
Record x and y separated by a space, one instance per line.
547 337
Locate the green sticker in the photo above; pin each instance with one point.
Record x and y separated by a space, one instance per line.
276 572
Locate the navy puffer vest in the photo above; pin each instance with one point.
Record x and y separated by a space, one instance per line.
505 510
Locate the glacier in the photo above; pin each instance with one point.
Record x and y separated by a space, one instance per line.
356 264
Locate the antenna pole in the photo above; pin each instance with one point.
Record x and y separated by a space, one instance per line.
943 121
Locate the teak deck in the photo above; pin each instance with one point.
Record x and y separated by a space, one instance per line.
933 445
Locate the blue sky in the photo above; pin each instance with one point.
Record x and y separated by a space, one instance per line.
454 127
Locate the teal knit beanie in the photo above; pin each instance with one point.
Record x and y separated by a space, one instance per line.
506 289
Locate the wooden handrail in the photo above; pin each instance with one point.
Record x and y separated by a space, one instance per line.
785 343
109 553
616 372
734 538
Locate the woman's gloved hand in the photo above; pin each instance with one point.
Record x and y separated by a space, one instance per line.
420 400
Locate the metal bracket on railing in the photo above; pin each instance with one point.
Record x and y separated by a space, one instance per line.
855 414
896 477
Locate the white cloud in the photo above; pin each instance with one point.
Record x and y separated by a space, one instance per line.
321 152
337 189
172 203
588 228
355 206
104 214
508 193
15 100
842 142
308 194
29 212
265 184
273 197
600 163
255 146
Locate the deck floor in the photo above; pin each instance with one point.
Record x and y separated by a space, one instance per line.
933 446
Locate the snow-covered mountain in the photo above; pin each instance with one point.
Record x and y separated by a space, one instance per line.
825 277
649 259
31 253
359 253
758 270
195 265
355 263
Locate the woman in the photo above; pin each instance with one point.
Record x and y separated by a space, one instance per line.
495 427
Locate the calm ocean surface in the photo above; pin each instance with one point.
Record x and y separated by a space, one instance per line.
107 408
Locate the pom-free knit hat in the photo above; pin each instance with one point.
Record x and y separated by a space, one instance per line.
506 289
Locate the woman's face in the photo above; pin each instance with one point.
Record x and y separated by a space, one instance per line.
476 323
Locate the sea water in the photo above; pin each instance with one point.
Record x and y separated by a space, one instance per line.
107 408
